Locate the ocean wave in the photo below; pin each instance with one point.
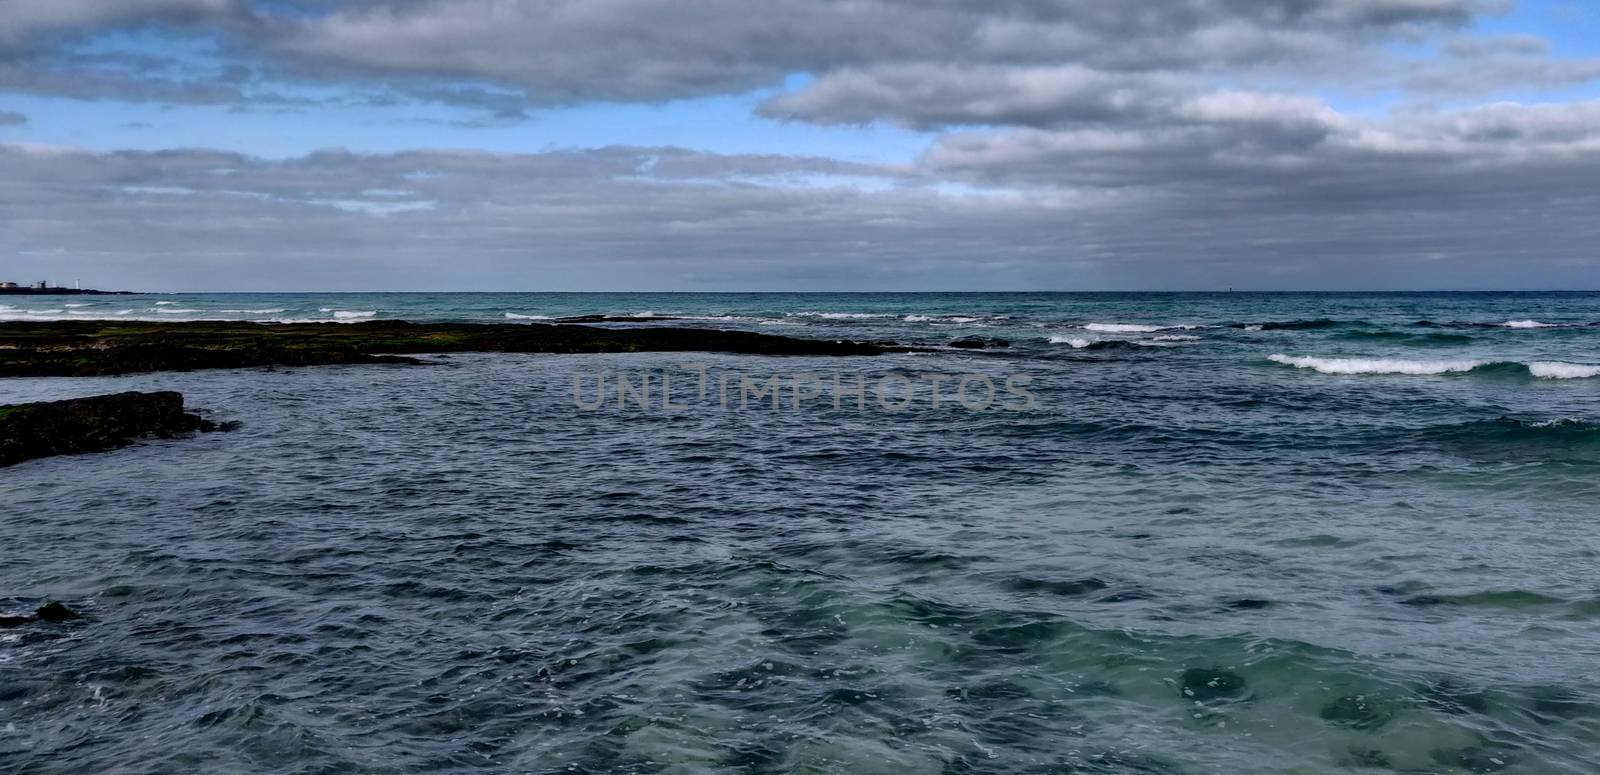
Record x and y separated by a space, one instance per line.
1133 328
1522 325
1376 365
1085 343
1563 370
70 306
251 311
840 315
1176 338
516 316
354 315
175 310
1564 430
1405 338
1351 366
1293 325
165 303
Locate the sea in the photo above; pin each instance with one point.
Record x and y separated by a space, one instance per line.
1228 533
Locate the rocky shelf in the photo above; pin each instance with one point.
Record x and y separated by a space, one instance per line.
95 424
91 348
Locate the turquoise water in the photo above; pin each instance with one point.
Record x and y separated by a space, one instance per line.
1234 534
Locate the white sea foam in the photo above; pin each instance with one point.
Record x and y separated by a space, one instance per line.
251 311
963 319
1563 370
357 315
515 316
1175 338
839 315
165 303
1077 342
1377 365
1132 328
1528 324
175 310
69 306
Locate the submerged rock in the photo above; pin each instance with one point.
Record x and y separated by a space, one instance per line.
55 612
94 424
1456 697
49 612
1205 684
1358 712
979 343
1477 758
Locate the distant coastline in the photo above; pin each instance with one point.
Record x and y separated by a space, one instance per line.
4 291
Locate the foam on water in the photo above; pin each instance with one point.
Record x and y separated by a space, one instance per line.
1563 370
1132 328
1377 365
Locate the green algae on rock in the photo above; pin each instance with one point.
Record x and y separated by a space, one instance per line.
91 348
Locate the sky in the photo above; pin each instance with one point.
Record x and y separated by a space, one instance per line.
800 145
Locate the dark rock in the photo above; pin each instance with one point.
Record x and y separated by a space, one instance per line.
1070 588
91 348
55 612
1367 758
1247 604
1358 712
979 343
95 424
1206 684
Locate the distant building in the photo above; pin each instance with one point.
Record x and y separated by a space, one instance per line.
9 285
42 285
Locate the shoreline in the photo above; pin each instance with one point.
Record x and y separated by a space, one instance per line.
105 348
63 292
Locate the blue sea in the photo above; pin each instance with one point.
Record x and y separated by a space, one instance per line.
1229 533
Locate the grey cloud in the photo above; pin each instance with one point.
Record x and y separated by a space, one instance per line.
930 96
1049 59
660 49
1296 155
31 24
1427 208
9 118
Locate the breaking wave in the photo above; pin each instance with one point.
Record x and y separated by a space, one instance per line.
1133 328
1349 366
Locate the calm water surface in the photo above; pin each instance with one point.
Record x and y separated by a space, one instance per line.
1234 534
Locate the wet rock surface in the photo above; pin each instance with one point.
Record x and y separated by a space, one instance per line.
95 424
90 348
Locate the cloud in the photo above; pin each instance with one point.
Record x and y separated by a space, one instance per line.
8 118
563 52
33 24
647 50
1226 195
932 96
